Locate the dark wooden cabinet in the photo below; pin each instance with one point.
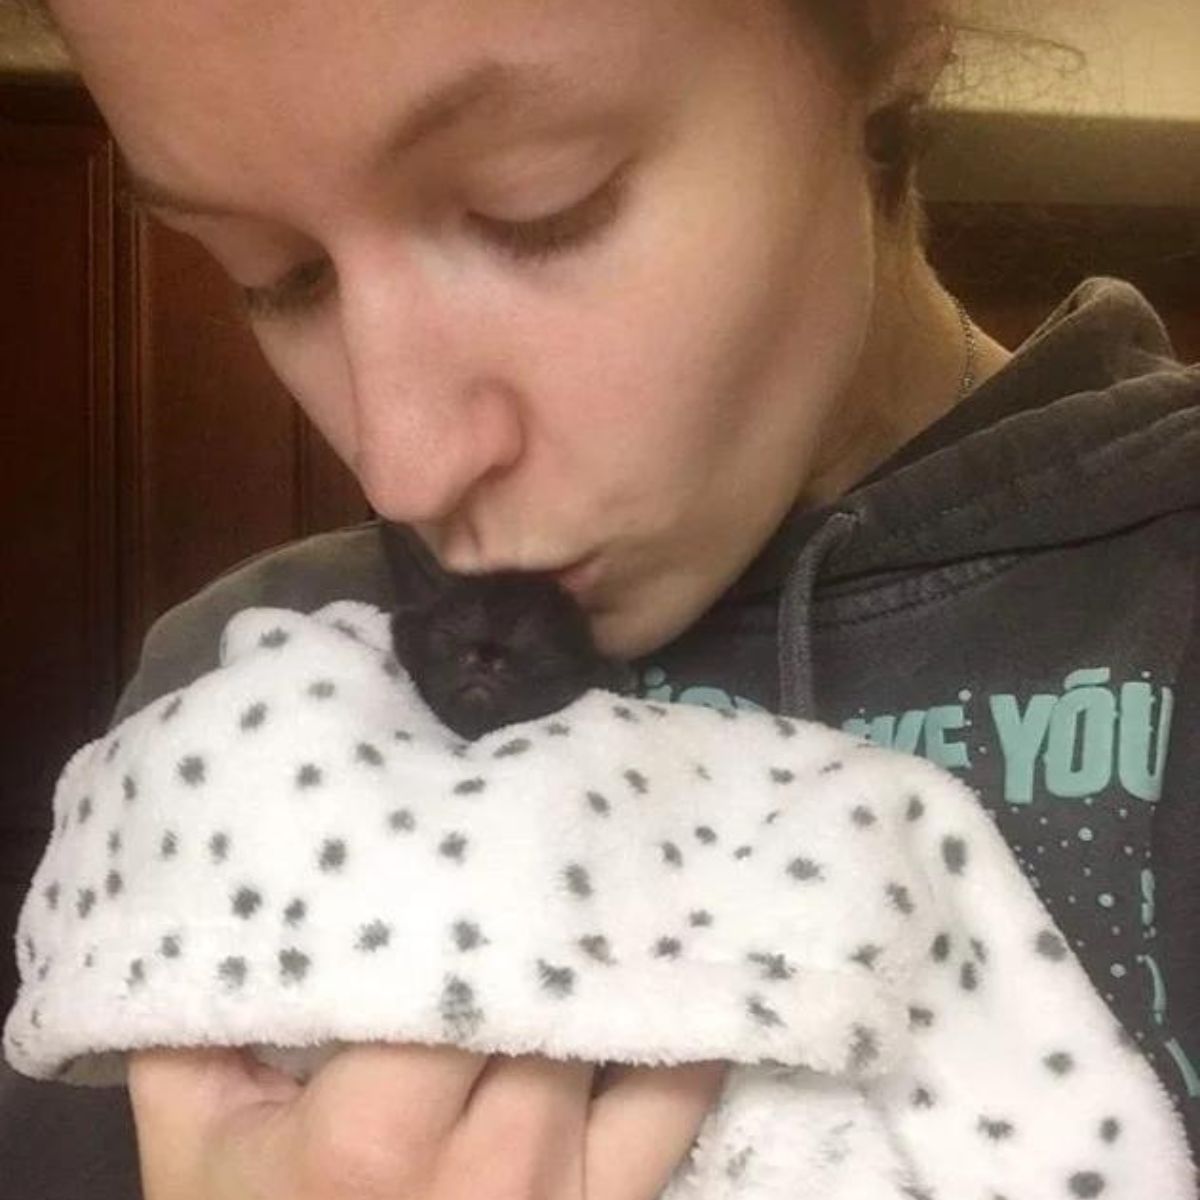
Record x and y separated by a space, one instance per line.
216 462
144 444
58 555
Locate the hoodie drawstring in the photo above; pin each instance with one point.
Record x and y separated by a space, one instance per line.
796 697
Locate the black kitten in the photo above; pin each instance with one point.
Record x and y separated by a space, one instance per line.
492 650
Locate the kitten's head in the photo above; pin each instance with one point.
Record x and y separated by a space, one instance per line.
491 650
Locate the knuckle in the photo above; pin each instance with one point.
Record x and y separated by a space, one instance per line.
340 1159
515 1161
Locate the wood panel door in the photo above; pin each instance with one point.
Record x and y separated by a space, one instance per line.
1012 263
216 461
58 557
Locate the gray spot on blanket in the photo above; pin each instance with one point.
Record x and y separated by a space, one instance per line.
454 847
401 821
1050 945
246 902
954 854
364 752
774 966
598 804
333 855
308 776
579 882
864 1048
804 870
637 781
373 937
253 717
293 965
900 898
512 749
232 972
996 1130
762 1013
467 936
596 946
560 981
458 1009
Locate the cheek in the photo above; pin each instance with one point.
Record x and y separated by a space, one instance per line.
313 368
727 341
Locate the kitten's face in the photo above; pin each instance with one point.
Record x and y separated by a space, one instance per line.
493 650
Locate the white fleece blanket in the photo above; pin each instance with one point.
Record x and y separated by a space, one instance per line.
293 852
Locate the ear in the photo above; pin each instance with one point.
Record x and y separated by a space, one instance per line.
404 623
415 574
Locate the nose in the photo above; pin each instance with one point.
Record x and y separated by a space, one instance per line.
433 415
485 657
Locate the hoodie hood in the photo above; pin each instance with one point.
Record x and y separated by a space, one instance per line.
1093 426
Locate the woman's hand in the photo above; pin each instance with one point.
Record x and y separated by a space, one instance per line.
411 1122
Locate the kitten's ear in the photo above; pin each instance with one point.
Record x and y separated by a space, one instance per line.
405 623
415 574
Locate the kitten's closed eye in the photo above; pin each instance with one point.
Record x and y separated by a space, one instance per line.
492 650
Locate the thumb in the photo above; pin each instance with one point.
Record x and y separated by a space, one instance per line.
642 1125
183 1098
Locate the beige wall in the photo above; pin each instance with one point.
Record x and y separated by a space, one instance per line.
24 48
1142 59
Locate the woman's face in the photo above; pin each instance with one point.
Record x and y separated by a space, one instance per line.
557 279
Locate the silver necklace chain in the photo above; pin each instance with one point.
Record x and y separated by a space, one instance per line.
968 328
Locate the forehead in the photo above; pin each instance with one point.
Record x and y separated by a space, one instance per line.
163 47
222 79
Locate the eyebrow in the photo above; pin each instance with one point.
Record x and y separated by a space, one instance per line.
509 87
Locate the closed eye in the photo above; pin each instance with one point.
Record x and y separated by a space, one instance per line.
305 286
561 232
300 290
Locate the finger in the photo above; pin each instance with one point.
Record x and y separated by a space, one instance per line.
642 1124
182 1097
195 1086
526 1121
525 1093
378 1095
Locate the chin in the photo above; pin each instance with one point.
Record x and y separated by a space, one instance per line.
635 629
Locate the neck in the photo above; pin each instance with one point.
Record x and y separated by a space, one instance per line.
911 373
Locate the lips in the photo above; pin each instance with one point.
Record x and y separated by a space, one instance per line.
579 576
